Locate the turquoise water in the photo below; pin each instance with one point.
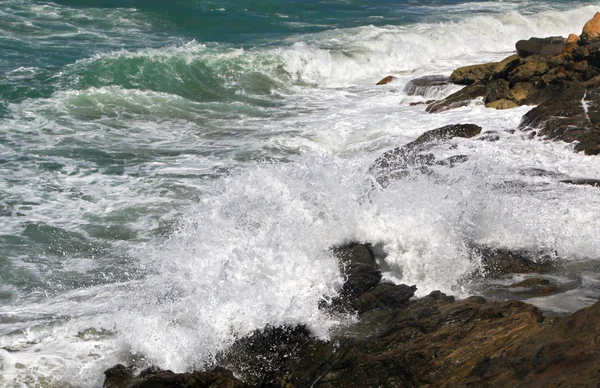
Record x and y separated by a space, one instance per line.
172 175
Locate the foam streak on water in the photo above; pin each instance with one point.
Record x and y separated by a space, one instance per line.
163 194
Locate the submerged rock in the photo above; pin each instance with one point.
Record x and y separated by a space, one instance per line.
422 85
121 377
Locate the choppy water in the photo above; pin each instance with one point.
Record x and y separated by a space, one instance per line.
173 176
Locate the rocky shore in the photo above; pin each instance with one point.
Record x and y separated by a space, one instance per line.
436 340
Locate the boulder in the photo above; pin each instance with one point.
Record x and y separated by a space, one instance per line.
571 115
540 46
422 85
501 261
527 71
386 80
469 75
357 263
497 90
591 31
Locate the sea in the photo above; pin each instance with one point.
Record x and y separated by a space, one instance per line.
173 175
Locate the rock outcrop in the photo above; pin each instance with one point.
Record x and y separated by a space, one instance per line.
433 341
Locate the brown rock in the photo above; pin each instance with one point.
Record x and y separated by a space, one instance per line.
497 90
502 104
521 92
505 66
469 75
386 80
572 38
591 31
528 70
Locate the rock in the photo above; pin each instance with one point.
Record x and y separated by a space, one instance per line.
499 261
531 282
572 38
497 90
502 104
571 115
540 46
361 271
118 376
503 68
461 98
583 182
399 162
469 75
420 86
385 295
521 92
591 31
121 377
386 80
527 71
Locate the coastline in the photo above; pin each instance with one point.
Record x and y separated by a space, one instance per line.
436 340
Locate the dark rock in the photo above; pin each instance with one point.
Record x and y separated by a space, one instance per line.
361 271
121 377
399 162
385 295
422 85
461 98
500 261
540 46
386 80
583 182
571 115
528 71
497 90
502 104
118 376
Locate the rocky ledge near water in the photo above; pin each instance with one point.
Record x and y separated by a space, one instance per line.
559 75
436 340
399 341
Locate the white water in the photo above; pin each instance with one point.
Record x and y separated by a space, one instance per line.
254 248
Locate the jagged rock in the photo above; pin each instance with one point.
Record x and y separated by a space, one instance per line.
361 271
461 98
420 86
386 80
571 115
502 104
540 46
503 68
591 31
384 295
572 38
398 163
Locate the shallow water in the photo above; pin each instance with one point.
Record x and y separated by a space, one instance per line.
167 185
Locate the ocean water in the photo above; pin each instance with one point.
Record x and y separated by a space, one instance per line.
173 176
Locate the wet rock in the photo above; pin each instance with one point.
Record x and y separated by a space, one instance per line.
591 31
528 71
540 46
121 377
422 85
384 295
361 271
571 115
461 98
386 80
399 162
118 376
583 182
501 261
497 90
